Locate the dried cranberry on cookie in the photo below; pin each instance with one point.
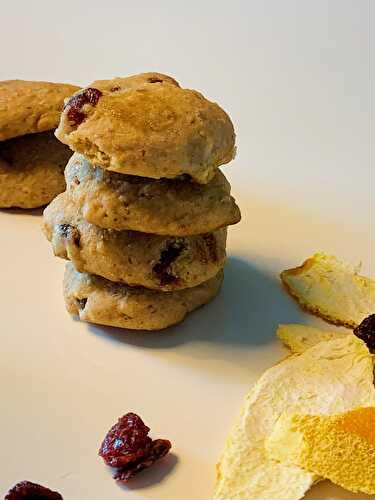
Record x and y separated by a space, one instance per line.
147 125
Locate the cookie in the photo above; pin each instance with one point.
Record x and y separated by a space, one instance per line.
28 107
134 81
138 259
32 170
98 300
148 126
160 206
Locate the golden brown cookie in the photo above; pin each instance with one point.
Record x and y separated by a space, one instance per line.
157 262
98 300
148 126
134 81
32 170
27 107
177 207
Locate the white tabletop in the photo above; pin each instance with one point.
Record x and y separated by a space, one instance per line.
297 77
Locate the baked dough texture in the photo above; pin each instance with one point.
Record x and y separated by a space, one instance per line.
176 207
28 107
144 217
100 301
139 259
146 125
31 170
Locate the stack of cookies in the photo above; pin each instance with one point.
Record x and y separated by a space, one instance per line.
143 220
32 160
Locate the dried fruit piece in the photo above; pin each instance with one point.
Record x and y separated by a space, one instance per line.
65 229
336 447
76 103
128 447
158 449
299 338
154 80
70 233
332 377
25 490
332 290
167 257
126 441
210 241
82 303
366 332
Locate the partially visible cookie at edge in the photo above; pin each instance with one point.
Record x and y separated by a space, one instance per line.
148 126
177 207
100 301
28 107
31 170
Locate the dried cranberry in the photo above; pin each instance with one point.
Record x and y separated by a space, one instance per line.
70 233
366 332
210 241
126 441
115 89
153 79
76 103
82 303
64 229
159 448
128 447
31 491
167 257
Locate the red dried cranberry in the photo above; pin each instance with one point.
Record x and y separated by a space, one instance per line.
167 257
31 491
154 79
76 103
210 241
159 448
82 303
126 441
128 447
366 332
70 233
115 89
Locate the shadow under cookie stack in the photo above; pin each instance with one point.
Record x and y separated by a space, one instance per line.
144 218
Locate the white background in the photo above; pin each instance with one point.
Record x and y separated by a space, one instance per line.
297 78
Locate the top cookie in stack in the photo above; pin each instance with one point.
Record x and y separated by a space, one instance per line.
146 205
146 125
32 160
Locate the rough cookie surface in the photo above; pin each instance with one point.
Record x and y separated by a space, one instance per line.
138 259
148 126
98 300
177 207
31 170
27 107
